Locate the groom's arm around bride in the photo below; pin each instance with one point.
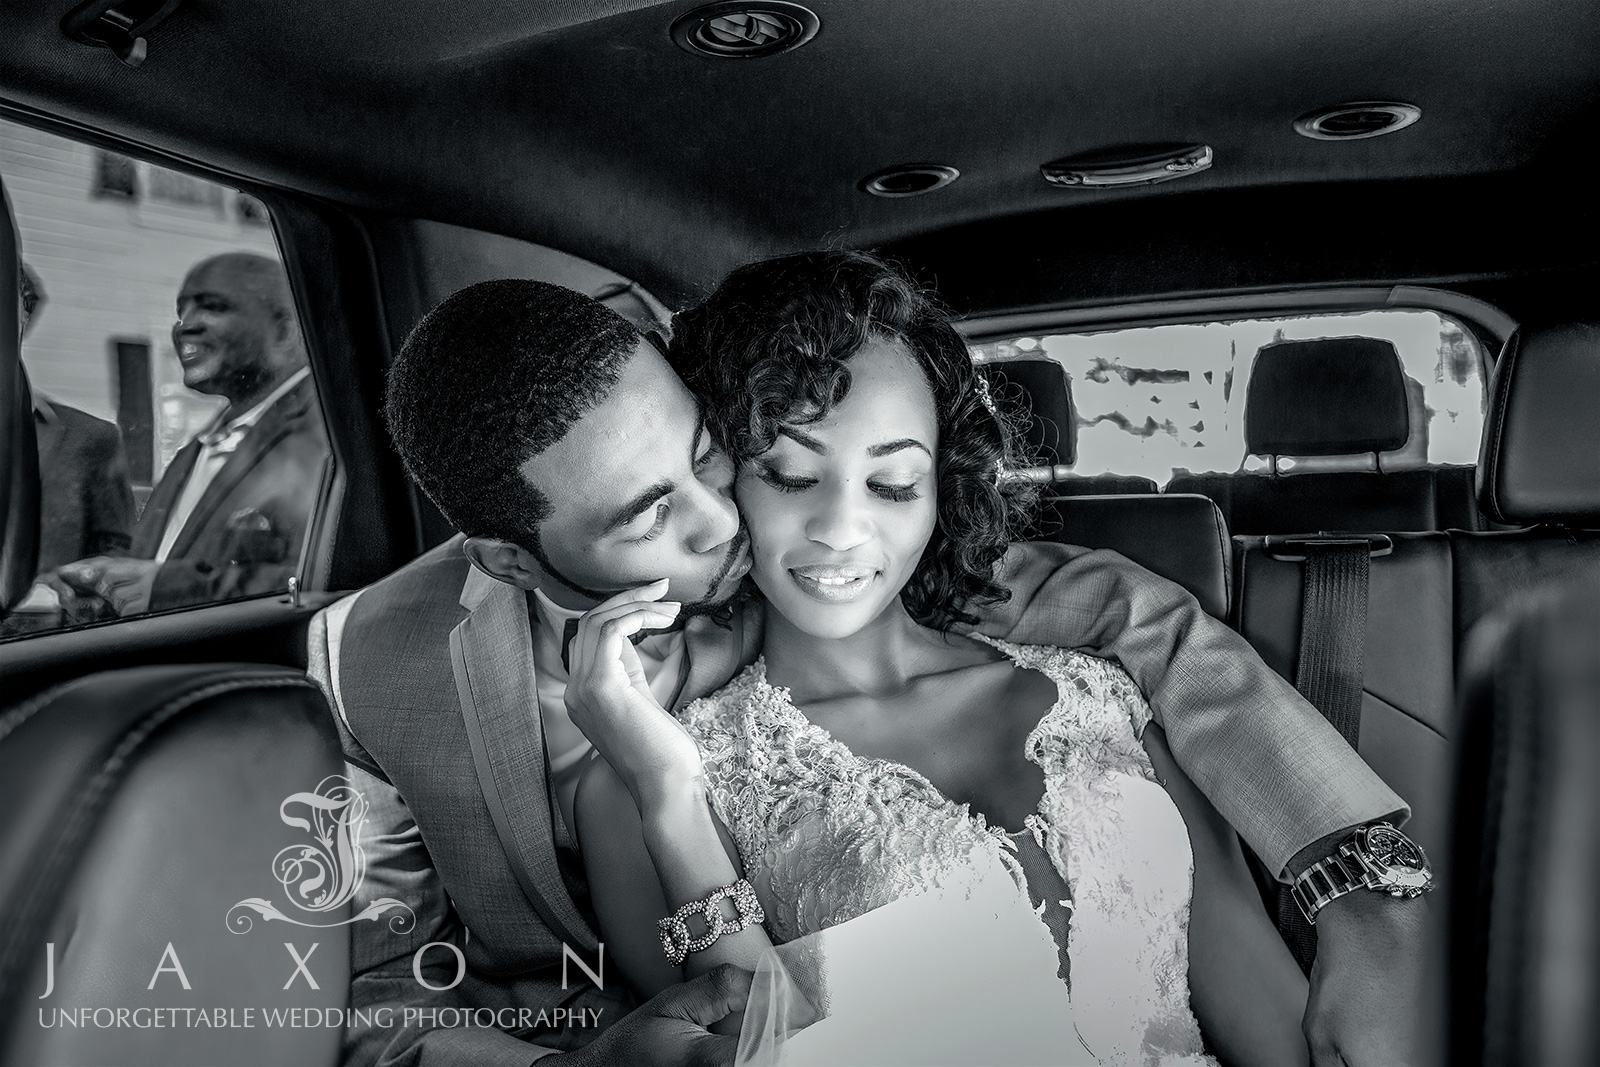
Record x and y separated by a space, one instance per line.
1270 763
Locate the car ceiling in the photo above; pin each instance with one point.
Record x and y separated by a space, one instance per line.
581 125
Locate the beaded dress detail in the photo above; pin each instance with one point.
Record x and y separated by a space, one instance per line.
827 836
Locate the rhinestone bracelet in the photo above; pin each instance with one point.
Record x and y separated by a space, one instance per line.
676 940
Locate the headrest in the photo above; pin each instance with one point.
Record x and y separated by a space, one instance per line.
1328 397
1053 431
1180 536
1540 457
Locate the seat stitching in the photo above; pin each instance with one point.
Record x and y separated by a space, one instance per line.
58 861
16 716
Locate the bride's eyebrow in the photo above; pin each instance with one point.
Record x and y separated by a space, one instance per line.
805 440
900 444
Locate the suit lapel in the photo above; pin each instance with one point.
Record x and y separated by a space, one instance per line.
153 520
276 423
491 652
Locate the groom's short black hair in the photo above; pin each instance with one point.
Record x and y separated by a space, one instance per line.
495 374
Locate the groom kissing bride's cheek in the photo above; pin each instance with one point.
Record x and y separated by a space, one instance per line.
738 670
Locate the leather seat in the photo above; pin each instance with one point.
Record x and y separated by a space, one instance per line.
1179 536
144 807
1525 944
1334 396
1408 669
1539 468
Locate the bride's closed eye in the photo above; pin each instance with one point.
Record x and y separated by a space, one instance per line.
784 483
899 493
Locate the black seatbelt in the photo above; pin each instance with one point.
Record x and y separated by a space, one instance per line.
1333 631
1333 639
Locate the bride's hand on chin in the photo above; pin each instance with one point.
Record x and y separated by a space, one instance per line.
609 697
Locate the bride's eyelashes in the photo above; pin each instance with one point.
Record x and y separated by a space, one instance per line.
783 483
790 483
900 494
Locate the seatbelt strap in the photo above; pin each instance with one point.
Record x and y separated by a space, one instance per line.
1333 632
1328 673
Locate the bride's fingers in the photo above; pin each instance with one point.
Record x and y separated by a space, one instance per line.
612 607
601 635
654 591
618 608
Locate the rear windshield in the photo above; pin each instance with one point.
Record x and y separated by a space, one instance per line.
1154 400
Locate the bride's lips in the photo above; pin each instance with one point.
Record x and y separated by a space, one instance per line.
833 583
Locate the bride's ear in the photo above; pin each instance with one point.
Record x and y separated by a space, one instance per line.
506 561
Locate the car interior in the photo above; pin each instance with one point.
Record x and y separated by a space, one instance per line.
1241 213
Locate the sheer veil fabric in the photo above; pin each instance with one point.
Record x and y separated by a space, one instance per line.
962 973
902 921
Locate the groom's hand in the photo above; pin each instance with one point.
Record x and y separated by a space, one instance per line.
1368 999
669 1030
609 697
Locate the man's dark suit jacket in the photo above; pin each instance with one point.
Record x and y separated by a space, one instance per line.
85 502
246 533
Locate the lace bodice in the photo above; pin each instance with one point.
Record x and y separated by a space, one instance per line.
826 836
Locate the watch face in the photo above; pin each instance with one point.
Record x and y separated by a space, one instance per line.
1394 854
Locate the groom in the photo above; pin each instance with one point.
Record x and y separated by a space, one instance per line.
576 464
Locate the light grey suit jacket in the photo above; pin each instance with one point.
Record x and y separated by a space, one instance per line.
431 672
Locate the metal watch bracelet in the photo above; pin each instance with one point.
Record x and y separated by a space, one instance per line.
1377 857
1327 880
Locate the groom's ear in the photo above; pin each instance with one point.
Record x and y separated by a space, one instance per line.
506 561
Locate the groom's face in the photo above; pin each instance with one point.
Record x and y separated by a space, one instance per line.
638 492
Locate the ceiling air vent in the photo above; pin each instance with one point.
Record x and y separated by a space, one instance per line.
1353 122
909 180
739 30
1111 168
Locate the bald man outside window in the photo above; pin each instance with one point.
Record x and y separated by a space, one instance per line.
229 516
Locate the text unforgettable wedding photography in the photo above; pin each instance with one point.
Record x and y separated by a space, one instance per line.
827 533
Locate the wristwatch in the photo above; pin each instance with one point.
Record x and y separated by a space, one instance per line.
1377 857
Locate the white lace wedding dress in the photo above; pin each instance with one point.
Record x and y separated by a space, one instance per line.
902 920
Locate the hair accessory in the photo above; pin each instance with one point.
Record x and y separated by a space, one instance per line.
985 395
677 942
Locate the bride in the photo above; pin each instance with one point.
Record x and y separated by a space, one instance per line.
930 847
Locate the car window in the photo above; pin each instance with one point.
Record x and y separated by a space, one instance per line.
181 448
1155 400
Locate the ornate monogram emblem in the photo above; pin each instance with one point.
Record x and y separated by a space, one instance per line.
323 876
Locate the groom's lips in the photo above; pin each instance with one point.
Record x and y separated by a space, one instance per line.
834 583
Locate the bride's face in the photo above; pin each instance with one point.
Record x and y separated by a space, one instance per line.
839 510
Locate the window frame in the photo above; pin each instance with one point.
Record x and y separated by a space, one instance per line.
1492 327
312 574
1489 326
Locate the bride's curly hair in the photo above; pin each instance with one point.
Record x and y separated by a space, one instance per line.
772 347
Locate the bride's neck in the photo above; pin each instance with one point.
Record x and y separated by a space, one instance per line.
879 660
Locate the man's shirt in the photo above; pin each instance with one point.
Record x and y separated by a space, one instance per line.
662 656
218 441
